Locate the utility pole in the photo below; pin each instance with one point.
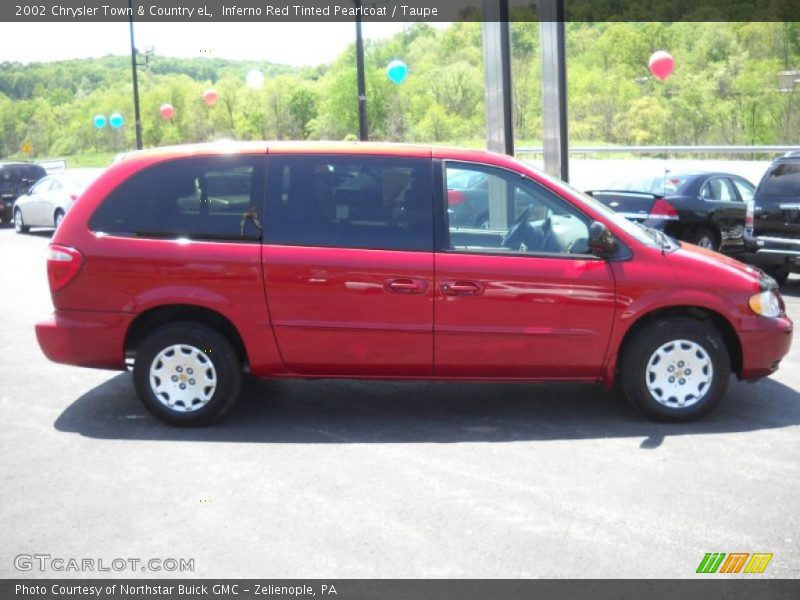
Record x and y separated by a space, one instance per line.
135 77
363 133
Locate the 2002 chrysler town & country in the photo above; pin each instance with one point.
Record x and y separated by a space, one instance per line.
200 263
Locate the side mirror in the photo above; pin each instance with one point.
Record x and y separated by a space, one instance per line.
601 241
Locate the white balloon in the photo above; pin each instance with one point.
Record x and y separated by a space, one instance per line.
254 79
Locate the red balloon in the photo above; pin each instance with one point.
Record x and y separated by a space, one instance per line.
661 64
167 111
210 97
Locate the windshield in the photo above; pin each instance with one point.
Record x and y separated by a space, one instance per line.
640 233
22 173
782 180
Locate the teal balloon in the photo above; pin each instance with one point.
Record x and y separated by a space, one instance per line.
99 121
116 120
397 71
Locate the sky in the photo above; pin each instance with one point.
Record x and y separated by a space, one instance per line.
296 44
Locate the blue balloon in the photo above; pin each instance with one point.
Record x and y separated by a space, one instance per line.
99 121
397 71
116 120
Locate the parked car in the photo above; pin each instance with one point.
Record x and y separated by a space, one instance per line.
772 227
340 261
706 209
16 179
46 203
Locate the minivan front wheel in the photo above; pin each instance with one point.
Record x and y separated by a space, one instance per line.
676 369
187 374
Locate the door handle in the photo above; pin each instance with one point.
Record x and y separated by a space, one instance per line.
461 288
405 285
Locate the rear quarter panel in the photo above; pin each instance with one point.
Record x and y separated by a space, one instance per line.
131 275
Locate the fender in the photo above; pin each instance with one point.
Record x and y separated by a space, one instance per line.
251 322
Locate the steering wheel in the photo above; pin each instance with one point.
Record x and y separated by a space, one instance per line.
515 233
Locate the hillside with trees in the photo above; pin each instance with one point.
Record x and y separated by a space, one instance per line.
725 90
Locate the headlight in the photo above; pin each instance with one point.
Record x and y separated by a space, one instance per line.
766 304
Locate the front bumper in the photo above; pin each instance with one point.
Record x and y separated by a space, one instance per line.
764 348
85 338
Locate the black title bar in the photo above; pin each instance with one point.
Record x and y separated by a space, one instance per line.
392 10
709 588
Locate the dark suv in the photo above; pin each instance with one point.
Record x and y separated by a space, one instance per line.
15 180
772 225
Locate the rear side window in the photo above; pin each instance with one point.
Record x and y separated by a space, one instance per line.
366 202
719 189
782 180
212 198
745 188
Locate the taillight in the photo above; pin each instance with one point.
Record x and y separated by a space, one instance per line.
73 197
63 263
454 197
662 209
748 216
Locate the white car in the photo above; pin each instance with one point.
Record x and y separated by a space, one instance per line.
50 198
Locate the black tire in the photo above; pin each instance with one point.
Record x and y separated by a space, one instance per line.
482 222
778 274
705 238
57 218
216 348
19 223
644 344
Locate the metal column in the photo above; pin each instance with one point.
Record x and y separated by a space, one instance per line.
497 77
363 131
135 78
554 88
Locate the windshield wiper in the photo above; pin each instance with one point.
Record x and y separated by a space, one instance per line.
662 239
659 237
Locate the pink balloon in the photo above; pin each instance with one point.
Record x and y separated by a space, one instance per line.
167 111
210 97
661 64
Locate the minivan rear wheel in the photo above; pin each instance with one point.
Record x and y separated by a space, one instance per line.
187 374
677 369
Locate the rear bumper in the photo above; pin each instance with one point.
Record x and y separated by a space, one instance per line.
6 206
85 339
763 349
769 257
767 251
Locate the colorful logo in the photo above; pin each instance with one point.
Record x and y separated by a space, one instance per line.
735 562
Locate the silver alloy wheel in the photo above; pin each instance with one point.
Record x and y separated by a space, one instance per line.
706 242
679 374
183 378
18 224
59 218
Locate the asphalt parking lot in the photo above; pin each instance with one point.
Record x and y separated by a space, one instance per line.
354 479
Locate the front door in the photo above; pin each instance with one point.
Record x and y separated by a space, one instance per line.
519 295
348 263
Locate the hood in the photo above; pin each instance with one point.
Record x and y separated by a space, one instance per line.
691 259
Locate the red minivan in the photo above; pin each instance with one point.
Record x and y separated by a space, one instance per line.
196 264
